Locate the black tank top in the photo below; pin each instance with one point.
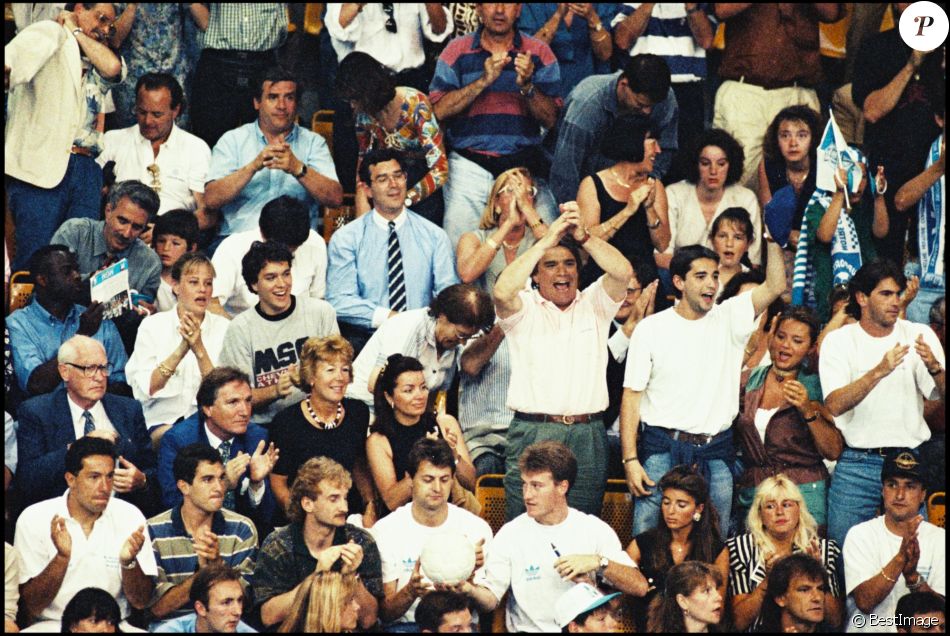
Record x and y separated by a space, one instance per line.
404 437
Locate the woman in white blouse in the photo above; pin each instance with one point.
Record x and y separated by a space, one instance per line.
711 186
175 349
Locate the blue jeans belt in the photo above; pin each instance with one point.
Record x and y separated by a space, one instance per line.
881 450
689 438
583 418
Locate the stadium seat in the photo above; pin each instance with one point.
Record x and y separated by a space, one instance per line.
490 492
937 508
335 218
322 124
21 291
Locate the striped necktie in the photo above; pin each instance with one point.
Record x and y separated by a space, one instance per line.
397 280
88 425
225 451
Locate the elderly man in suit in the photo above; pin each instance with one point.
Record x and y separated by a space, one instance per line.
223 421
50 423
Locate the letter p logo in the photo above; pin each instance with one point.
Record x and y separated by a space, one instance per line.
923 26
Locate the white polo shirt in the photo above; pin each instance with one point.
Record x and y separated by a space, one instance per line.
94 559
182 163
308 270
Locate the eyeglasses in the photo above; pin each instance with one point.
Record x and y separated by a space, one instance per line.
90 370
383 179
463 337
155 173
388 9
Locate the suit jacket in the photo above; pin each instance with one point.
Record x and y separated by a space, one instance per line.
45 429
191 431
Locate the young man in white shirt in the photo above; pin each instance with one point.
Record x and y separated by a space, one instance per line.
402 535
545 551
93 537
896 553
695 346
875 375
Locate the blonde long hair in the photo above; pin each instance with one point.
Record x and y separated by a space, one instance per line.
777 488
489 219
319 603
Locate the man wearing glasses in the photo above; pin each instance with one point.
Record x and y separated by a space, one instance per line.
388 261
57 73
50 423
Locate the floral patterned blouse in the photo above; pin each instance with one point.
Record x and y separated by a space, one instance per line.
417 131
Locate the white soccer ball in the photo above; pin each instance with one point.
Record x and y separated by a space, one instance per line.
448 558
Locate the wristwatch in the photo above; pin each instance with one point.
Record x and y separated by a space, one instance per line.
527 91
302 173
598 27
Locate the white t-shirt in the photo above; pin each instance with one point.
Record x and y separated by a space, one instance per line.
308 270
869 546
165 299
522 557
94 559
689 370
892 414
400 540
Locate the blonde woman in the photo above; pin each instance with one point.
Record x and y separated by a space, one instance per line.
325 604
175 349
778 524
508 227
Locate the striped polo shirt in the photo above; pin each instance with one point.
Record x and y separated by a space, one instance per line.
175 554
498 122
669 36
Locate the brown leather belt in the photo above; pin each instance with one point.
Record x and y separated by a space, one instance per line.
79 150
583 418
689 438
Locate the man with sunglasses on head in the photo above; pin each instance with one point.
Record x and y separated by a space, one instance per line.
56 71
50 423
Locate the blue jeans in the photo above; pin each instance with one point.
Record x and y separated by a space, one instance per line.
646 511
490 463
855 493
919 310
38 212
466 195
401 628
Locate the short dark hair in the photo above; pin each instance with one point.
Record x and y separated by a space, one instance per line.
274 74
259 255
209 576
779 579
916 603
435 451
87 447
435 605
802 113
136 192
464 304
720 139
364 80
217 378
90 602
870 276
550 456
624 138
731 289
39 262
285 220
395 366
739 216
188 459
181 223
803 315
683 258
380 155
155 81
648 74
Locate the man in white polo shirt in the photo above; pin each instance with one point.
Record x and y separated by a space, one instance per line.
876 374
434 336
557 339
681 384
173 162
93 538
547 550
286 220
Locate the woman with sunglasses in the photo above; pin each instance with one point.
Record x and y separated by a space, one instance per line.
509 226
623 204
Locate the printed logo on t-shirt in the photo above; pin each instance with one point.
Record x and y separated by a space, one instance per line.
408 564
270 362
532 573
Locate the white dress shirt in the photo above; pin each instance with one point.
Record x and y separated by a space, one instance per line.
99 417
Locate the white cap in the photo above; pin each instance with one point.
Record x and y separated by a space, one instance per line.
578 600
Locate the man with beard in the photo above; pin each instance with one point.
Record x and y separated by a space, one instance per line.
876 374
